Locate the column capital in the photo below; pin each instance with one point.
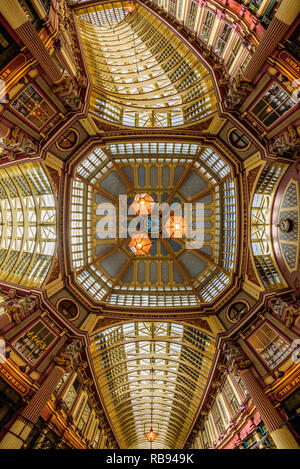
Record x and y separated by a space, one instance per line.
67 357
240 366
235 358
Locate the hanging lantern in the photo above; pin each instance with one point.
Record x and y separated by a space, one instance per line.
130 8
175 227
140 244
143 204
151 435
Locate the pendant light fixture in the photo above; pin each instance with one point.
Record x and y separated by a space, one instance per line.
151 434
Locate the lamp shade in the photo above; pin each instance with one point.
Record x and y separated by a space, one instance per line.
140 244
130 7
175 226
143 204
151 435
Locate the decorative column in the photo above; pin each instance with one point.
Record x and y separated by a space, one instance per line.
279 432
16 17
5 320
283 19
21 428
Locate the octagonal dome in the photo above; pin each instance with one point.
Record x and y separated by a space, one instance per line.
169 275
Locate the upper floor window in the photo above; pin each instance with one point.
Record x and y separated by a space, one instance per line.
173 7
207 26
96 437
62 382
218 419
192 14
270 345
34 342
72 393
33 107
231 396
234 53
84 416
222 41
46 4
274 104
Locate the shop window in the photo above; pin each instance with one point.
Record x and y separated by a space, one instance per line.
8 48
72 393
274 104
293 44
265 439
31 105
10 402
250 442
48 441
270 345
34 342
291 406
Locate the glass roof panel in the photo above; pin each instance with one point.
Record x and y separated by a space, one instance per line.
142 74
170 387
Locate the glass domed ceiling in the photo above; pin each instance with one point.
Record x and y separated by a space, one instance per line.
169 276
142 74
153 368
